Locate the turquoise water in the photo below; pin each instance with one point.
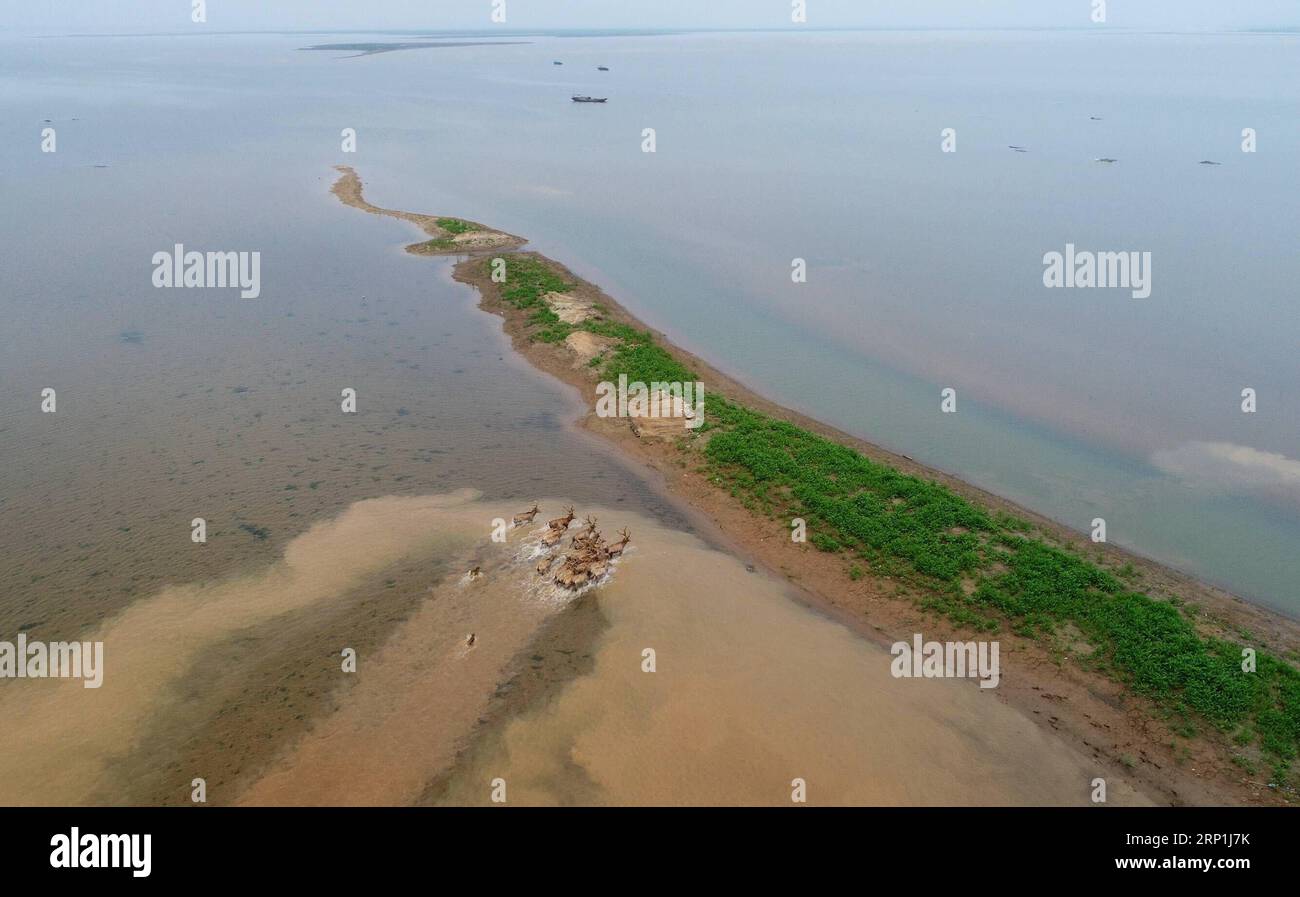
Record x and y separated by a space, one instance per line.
924 267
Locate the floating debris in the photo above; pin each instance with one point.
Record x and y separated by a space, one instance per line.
1018 149
1208 162
1107 161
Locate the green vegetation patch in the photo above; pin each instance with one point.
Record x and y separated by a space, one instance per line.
641 360
436 245
634 353
982 570
456 226
903 523
527 281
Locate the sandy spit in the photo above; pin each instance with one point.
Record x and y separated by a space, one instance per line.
1067 702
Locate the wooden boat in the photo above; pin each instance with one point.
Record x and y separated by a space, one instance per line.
602 68
590 99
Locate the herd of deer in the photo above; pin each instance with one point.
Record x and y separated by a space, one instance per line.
589 555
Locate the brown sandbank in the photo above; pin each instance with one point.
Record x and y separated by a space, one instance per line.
1093 713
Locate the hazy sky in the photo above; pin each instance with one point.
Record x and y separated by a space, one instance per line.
63 16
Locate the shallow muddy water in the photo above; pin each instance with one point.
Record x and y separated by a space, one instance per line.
328 530
750 691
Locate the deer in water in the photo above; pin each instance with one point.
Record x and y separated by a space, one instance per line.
560 524
526 516
597 564
588 535
572 574
617 548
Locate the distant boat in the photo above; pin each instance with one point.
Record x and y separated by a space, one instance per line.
557 62
590 99
602 68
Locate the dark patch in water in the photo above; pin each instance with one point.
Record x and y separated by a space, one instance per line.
373 48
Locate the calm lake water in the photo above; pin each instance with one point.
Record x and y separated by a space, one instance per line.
924 267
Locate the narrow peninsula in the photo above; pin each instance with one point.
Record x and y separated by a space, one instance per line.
1188 690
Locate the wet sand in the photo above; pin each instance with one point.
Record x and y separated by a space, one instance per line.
348 189
750 688
420 695
71 735
1050 683
751 691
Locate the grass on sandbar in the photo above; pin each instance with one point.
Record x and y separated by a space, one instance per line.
983 570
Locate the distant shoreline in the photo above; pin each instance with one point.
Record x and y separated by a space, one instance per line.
1051 682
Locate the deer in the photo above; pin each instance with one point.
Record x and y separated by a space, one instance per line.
597 567
588 535
526 516
572 574
560 524
617 548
